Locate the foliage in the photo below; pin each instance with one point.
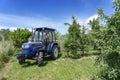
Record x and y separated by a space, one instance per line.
61 38
110 58
83 40
72 42
4 58
6 54
76 41
116 5
58 35
110 67
20 36
5 33
95 32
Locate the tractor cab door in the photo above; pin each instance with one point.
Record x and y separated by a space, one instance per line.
49 40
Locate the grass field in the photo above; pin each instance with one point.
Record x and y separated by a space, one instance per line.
60 69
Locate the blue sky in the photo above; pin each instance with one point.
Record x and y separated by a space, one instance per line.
50 13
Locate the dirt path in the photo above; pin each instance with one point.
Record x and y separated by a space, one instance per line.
88 57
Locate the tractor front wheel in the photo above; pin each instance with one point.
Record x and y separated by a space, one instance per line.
21 61
40 58
55 52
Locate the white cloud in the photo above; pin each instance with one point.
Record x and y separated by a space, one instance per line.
95 16
8 27
9 21
81 21
13 22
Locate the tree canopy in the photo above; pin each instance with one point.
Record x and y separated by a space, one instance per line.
19 36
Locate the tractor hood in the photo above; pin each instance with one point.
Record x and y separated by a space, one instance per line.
29 44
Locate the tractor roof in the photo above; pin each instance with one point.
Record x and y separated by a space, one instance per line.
44 29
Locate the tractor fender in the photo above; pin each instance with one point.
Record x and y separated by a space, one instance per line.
50 46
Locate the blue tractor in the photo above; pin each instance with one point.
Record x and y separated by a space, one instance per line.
42 42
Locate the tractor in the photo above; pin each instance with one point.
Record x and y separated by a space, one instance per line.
41 43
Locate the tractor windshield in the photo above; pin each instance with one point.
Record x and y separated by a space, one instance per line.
40 36
37 36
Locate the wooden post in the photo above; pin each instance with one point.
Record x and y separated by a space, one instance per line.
3 41
10 49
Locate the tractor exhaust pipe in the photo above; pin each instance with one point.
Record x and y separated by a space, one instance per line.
32 30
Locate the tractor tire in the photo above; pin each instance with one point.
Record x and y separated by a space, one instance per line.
21 61
40 58
55 52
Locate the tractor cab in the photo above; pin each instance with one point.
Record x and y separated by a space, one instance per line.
45 35
42 42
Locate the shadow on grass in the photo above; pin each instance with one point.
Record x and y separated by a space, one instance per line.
46 60
29 63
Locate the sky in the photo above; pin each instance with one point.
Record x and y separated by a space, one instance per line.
49 13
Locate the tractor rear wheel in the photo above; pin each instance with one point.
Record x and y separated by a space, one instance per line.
55 52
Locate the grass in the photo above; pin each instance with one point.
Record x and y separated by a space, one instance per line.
60 69
4 54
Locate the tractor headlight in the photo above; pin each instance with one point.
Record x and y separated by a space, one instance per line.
25 46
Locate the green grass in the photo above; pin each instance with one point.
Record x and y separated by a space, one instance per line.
60 69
